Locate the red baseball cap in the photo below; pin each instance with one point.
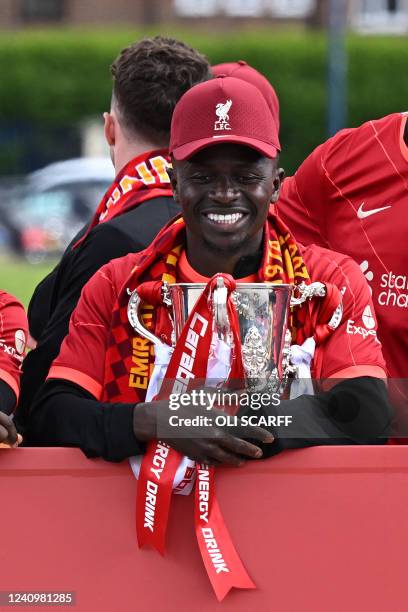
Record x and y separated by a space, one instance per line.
224 109
241 70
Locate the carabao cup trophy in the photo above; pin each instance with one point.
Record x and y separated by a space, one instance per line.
263 315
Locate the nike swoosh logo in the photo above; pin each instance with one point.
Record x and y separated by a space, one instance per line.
362 214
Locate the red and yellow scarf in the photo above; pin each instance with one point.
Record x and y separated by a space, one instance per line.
143 178
130 359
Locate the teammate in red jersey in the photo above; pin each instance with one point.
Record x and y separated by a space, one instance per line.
225 177
13 334
349 195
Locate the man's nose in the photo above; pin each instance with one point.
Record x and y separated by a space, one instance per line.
224 191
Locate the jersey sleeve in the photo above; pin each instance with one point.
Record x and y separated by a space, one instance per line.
302 200
13 338
353 350
82 356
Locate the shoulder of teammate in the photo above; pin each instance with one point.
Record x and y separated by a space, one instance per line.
13 314
315 167
306 196
103 244
334 152
355 144
8 299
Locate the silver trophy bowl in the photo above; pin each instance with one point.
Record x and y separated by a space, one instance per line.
263 312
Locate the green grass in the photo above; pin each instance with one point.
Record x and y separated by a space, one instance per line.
20 278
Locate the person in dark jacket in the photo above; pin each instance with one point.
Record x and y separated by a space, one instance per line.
148 79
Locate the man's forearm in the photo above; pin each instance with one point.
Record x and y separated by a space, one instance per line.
355 411
65 415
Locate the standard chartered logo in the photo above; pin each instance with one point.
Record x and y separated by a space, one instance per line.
394 290
393 287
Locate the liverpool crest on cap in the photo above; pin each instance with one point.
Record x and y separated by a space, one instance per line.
222 110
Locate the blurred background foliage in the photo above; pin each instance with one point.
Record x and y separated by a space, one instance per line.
54 79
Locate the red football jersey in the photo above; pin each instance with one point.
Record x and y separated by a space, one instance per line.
349 196
13 337
352 350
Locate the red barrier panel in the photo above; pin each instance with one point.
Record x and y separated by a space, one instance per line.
319 530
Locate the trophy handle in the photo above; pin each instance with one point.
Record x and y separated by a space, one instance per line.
307 292
134 319
220 296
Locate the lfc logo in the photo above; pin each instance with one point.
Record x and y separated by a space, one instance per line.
221 110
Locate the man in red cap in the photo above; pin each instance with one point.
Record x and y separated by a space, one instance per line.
98 396
13 334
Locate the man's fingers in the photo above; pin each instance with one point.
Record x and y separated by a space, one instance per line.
8 432
219 455
3 434
5 420
255 432
240 447
12 434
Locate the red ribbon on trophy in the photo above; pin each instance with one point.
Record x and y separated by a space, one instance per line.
189 363
222 562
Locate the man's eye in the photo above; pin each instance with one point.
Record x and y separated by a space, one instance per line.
200 178
248 178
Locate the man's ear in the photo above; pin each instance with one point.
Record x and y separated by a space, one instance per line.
109 129
280 175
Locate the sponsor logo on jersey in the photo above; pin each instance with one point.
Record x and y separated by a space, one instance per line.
10 351
368 318
365 330
394 290
20 341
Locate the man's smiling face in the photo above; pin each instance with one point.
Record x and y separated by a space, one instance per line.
225 191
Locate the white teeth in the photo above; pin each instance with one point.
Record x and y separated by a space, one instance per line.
225 218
